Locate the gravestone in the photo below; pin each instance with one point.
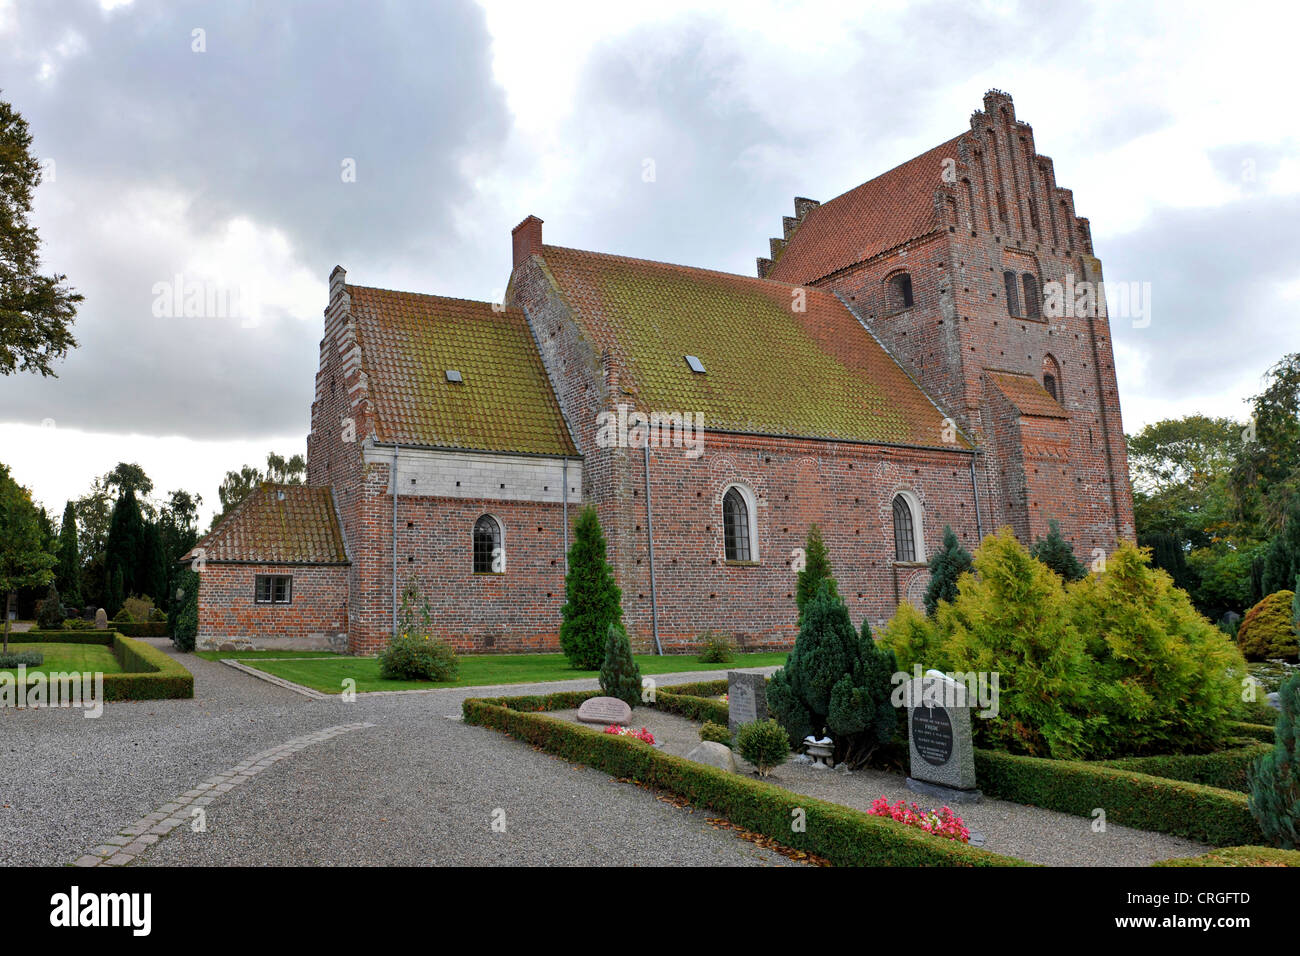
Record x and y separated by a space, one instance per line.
939 739
714 754
605 710
101 620
746 699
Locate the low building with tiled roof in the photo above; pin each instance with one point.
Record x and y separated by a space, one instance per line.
898 366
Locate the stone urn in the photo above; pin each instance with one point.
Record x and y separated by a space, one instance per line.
819 750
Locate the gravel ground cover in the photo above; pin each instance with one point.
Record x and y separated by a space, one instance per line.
1029 833
417 787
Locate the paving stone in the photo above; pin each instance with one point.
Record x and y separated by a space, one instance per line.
87 861
105 850
120 860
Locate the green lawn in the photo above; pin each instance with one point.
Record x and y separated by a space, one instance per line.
481 669
254 655
83 658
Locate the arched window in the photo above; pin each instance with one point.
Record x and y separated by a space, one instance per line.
1033 298
737 526
900 292
1052 378
1013 293
489 555
905 530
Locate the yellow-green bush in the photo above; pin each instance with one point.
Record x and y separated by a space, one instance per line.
1267 630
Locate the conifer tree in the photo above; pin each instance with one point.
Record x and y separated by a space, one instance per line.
1055 552
592 598
816 569
620 676
68 572
1275 778
24 562
946 566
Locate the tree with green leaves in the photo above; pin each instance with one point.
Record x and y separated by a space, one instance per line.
1058 554
1282 559
25 561
1274 780
593 601
619 675
816 569
68 572
238 485
836 681
36 311
1267 472
123 551
946 565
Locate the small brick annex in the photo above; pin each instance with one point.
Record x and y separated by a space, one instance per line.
891 370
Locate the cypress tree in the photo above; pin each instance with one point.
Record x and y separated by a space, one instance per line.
124 548
592 598
1275 778
1055 552
817 568
620 676
116 594
68 572
946 566
153 566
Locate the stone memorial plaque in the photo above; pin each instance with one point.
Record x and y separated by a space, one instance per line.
605 711
746 699
939 739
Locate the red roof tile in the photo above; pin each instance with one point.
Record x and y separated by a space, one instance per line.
1024 392
277 524
504 401
867 220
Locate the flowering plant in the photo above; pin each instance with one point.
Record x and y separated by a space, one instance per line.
643 735
942 822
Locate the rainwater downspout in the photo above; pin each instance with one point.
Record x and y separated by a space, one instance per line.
395 447
650 537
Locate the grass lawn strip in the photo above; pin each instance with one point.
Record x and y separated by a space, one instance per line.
68 658
479 670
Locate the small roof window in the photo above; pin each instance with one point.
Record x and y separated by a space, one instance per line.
695 364
453 375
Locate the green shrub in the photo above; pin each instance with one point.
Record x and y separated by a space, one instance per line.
1208 814
592 601
619 675
416 657
22 659
764 744
835 680
1267 631
123 616
1058 554
842 835
78 624
140 608
718 733
716 648
815 572
1275 779
946 566
49 612
185 624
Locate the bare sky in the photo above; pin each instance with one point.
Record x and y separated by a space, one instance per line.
247 148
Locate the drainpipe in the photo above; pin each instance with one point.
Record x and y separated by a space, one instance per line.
566 515
975 490
395 447
650 537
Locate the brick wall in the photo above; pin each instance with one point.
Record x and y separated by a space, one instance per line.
315 617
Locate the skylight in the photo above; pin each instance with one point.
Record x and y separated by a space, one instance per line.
695 364
454 376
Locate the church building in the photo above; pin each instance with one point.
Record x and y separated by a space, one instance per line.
896 366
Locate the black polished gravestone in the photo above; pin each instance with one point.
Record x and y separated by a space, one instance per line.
939 739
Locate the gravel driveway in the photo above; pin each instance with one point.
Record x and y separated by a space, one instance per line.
414 788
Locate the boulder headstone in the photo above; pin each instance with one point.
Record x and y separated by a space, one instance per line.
714 754
101 620
939 739
605 710
746 699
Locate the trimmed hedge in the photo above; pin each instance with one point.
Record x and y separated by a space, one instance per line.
699 688
1255 731
142 628
1259 712
1225 769
1208 814
1239 856
700 709
842 835
149 674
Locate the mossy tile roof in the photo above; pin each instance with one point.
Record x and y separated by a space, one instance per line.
278 524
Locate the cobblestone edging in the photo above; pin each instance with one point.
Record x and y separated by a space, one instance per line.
278 681
133 840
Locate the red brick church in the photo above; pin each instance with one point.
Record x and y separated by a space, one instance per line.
892 369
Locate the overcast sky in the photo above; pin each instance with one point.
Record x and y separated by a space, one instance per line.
251 146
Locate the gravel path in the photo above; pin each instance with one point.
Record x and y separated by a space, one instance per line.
416 788
1013 829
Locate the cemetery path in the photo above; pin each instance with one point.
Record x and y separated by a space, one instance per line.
416 787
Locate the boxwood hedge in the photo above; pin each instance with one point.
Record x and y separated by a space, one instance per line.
1239 856
1208 814
147 673
1225 769
845 836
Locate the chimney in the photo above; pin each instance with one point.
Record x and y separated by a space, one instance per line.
527 238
